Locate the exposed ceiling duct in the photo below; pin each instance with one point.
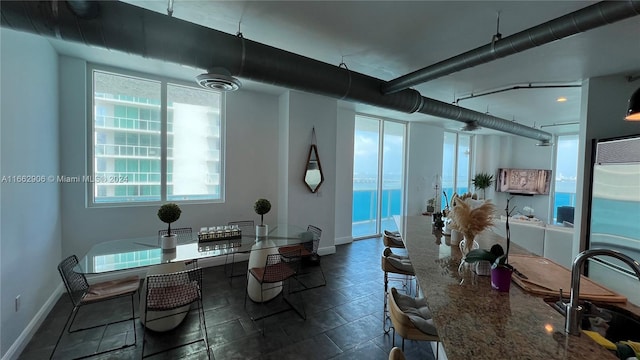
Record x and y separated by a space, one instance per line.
131 29
600 14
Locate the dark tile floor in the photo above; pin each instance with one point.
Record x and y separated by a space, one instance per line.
343 320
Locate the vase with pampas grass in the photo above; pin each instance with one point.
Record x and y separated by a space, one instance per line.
471 217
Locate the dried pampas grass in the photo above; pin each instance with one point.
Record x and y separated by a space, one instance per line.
471 217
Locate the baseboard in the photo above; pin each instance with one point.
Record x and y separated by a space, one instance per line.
25 336
344 240
327 250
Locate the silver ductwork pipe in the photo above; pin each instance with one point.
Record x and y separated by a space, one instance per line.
445 110
120 26
600 14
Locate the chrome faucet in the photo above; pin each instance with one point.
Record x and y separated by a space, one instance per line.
573 313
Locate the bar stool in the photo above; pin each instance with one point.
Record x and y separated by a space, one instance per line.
392 239
397 265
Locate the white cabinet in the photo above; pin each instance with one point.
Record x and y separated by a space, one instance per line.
528 236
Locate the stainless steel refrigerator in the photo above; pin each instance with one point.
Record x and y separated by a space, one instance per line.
614 216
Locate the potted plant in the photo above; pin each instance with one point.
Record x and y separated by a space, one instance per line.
501 270
431 205
470 217
261 207
482 181
168 213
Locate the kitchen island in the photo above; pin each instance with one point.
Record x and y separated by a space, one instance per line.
476 322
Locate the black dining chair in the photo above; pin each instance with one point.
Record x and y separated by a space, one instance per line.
277 269
309 255
166 292
82 294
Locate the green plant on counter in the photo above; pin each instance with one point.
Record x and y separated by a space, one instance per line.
431 205
496 255
482 181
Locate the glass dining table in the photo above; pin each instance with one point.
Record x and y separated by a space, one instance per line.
132 253
146 252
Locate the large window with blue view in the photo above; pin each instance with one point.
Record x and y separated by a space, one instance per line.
566 176
378 175
153 140
456 165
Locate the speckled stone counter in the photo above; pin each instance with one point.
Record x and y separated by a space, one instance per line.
476 322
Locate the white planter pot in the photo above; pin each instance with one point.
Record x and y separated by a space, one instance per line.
169 242
456 237
262 231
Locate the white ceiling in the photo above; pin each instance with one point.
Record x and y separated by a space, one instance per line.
387 39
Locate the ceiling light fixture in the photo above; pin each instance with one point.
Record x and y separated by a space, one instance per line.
471 126
561 99
544 143
219 79
633 111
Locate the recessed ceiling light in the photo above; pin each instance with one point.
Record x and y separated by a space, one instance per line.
561 99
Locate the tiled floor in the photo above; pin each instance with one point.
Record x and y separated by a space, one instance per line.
343 320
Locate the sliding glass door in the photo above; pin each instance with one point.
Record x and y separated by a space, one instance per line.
378 175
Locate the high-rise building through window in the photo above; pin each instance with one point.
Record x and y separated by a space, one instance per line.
149 150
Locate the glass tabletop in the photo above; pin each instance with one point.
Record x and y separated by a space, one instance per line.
133 253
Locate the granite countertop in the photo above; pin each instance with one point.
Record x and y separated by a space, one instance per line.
476 322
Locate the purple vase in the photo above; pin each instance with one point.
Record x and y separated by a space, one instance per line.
501 279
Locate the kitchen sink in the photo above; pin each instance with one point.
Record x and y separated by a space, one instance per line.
612 322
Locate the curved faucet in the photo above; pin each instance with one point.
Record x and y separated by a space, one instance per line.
572 325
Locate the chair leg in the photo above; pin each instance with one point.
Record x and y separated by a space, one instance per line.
384 311
402 344
203 326
63 331
393 337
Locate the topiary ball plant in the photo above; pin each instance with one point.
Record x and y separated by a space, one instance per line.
261 207
168 213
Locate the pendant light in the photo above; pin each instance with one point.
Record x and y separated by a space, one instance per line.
633 112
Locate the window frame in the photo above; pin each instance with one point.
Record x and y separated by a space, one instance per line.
456 158
90 137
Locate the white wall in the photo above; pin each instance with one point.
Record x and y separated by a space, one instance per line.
345 129
521 153
30 218
424 161
306 111
251 163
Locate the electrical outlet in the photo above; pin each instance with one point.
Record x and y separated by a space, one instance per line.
17 303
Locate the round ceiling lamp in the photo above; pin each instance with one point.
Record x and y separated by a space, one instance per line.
633 111
544 143
471 126
218 79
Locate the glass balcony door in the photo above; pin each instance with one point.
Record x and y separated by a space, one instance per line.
378 175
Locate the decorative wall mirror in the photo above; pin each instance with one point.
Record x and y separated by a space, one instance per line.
313 176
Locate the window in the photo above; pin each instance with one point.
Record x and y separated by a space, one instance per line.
146 149
455 164
378 175
566 174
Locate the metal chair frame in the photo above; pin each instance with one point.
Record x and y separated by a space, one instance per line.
78 288
244 224
405 328
308 250
396 275
184 288
277 269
